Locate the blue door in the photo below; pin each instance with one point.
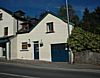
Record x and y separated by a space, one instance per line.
36 50
59 54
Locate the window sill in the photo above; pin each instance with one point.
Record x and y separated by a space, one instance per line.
5 35
1 19
24 50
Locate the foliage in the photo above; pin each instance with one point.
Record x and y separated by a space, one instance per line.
43 14
72 15
81 40
62 12
86 19
91 20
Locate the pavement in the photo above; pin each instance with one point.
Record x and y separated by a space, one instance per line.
53 65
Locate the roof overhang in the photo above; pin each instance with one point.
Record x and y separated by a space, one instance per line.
5 39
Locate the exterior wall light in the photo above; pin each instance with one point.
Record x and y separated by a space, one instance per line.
41 43
67 47
29 45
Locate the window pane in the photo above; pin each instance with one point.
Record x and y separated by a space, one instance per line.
6 31
0 16
50 27
24 45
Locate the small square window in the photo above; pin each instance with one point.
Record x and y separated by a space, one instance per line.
0 16
50 28
5 31
24 45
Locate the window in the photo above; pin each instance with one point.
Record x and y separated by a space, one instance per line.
25 27
24 45
50 28
0 16
6 31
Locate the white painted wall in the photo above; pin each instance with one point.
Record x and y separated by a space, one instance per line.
13 48
39 33
15 25
10 22
23 54
7 21
19 24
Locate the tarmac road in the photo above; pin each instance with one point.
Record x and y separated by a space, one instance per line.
17 71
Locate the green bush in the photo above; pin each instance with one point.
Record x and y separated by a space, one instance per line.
81 40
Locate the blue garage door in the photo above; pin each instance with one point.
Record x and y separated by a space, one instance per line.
59 54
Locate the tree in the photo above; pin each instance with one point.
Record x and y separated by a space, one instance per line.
91 21
86 19
43 14
95 20
62 12
72 15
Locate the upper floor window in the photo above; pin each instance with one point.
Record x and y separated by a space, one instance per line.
24 46
6 31
50 27
0 16
25 27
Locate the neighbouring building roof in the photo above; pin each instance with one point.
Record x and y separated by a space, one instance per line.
20 11
20 15
8 11
27 25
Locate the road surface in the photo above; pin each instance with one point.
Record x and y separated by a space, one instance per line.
22 71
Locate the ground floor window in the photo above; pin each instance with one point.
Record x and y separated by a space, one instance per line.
24 45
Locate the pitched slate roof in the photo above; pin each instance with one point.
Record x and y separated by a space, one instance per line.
20 11
13 14
8 11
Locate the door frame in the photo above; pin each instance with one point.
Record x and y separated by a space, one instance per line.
35 43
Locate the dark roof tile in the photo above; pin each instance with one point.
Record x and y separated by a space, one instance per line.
8 11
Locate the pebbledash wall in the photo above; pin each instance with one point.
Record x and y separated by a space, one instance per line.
38 33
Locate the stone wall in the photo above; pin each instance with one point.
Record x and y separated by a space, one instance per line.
87 57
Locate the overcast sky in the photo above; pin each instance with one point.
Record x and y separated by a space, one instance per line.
35 7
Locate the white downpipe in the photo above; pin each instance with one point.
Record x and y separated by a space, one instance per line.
71 56
7 50
1 51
